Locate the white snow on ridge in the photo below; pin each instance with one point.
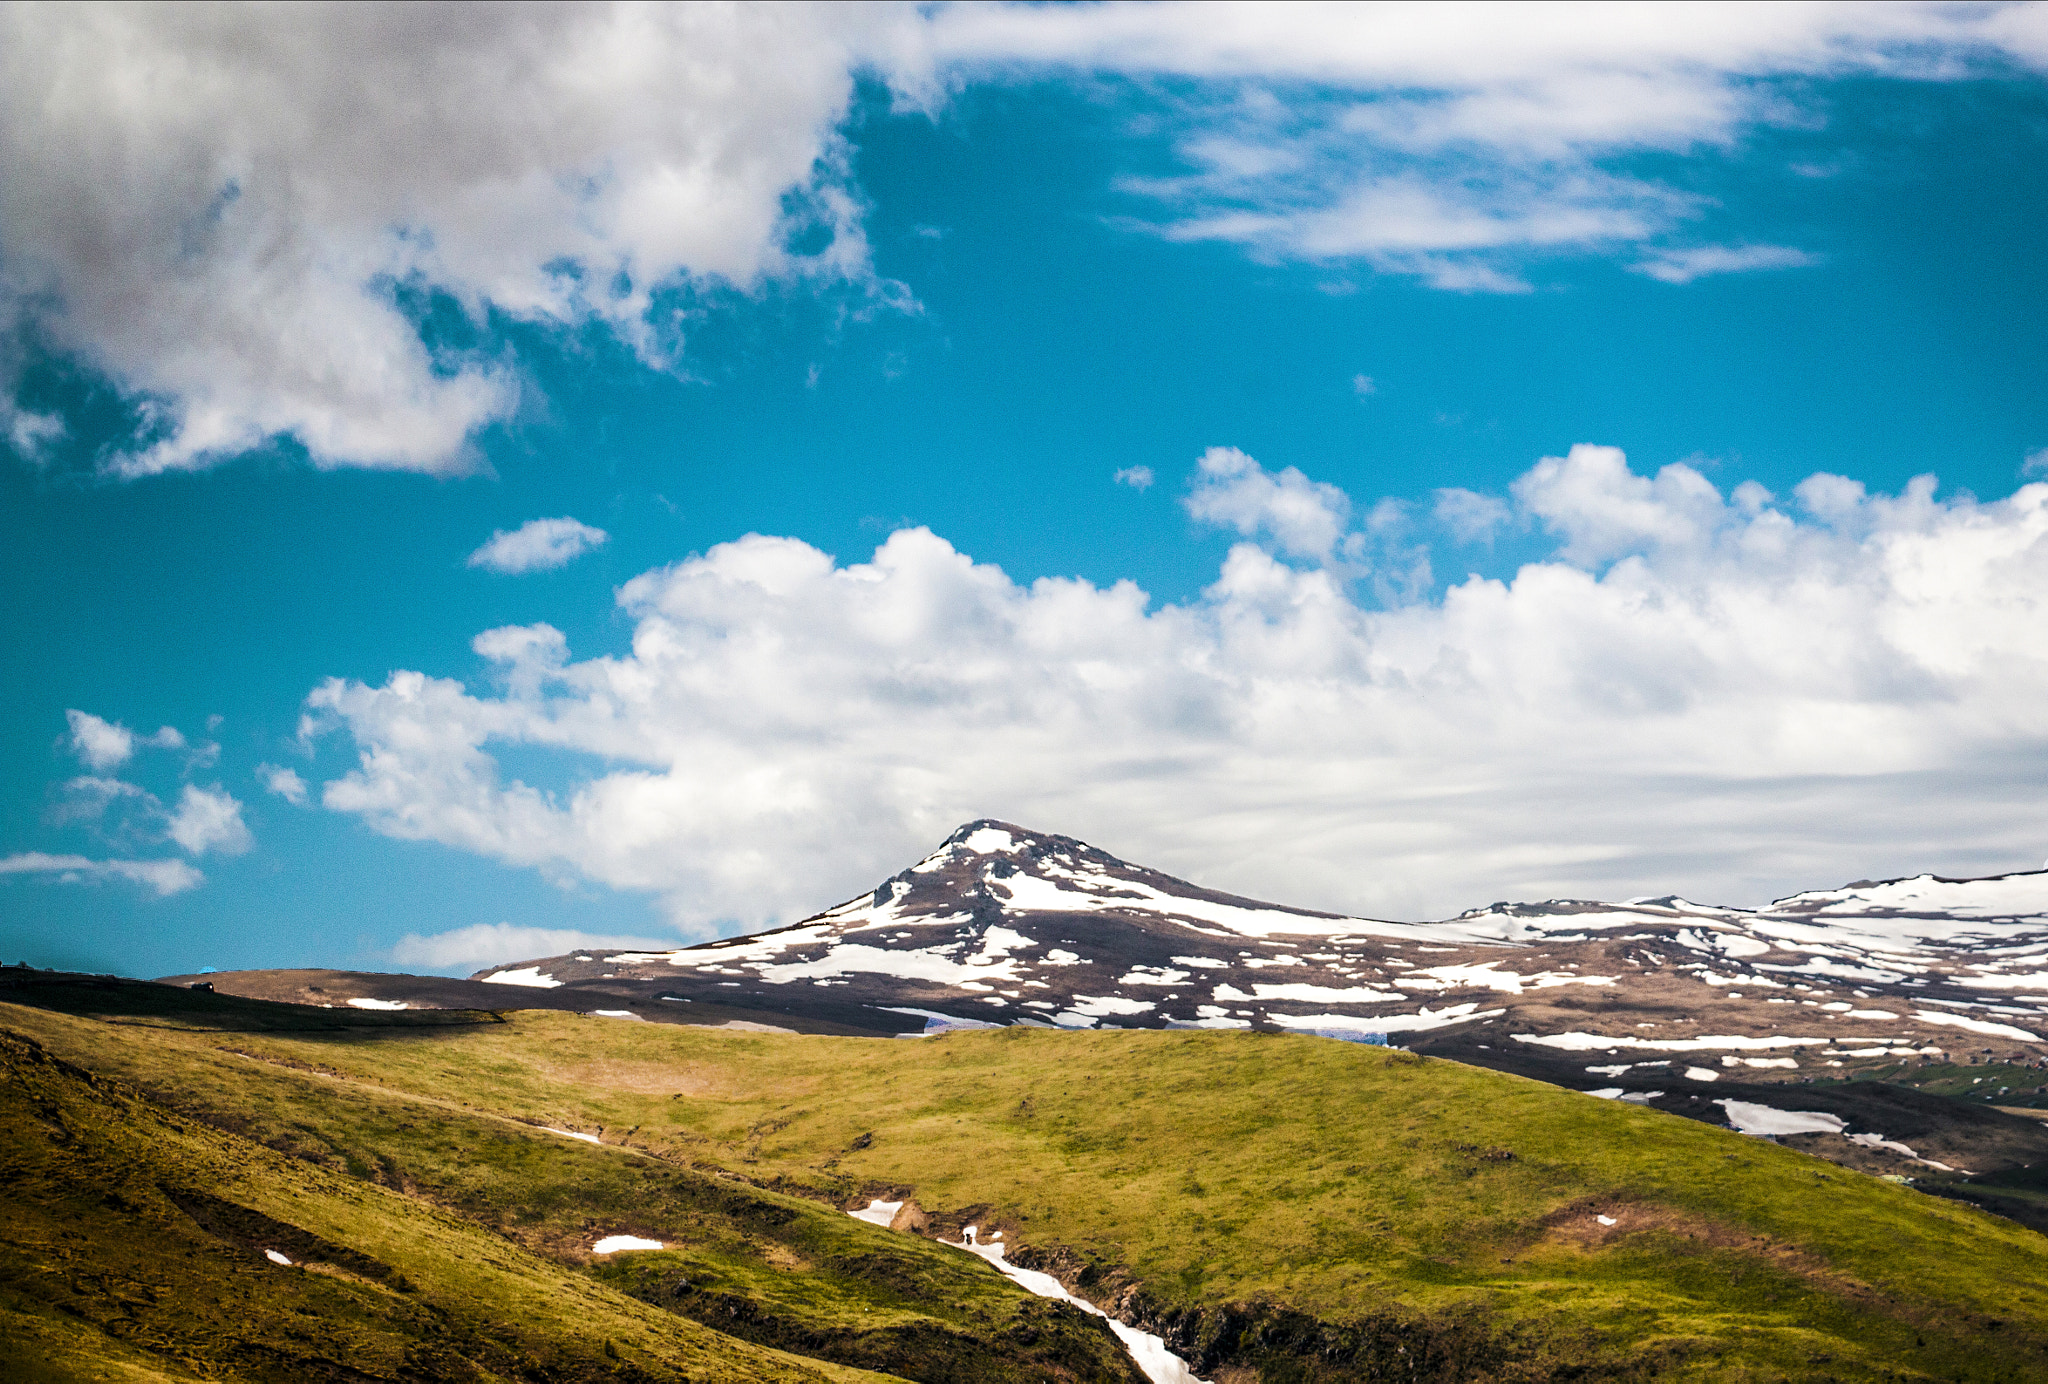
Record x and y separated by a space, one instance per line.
1590 1042
1039 895
989 840
991 964
2032 980
934 1017
362 1003
1935 1016
1765 1122
1762 1120
524 975
1999 897
1390 1023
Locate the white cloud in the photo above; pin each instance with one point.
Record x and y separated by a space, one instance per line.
233 213
89 796
284 782
101 744
1451 141
1719 697
492 944
538 545
166 877
1469 516
2036 464
1364 386
1682 266
208 819
217 206
1136 477
1305 517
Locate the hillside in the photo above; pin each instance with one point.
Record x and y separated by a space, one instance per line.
1278 1207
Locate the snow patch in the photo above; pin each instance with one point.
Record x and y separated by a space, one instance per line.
365 1003
1984 1026
1390 1023
1589 1042
612 1244
987 841
877 1212
524 975
1160 1365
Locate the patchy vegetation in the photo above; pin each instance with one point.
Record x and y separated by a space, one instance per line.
1279 1208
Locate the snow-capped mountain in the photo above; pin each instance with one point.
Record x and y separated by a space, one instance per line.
1002 925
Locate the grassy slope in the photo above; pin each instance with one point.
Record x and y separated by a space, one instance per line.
767 1268
1223 1181
131 1247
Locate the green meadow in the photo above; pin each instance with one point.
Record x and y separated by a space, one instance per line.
1279 1207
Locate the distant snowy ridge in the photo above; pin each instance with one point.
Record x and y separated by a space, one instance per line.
1003 925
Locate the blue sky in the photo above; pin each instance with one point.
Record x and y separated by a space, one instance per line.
1337 291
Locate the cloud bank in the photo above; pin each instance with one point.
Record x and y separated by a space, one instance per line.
242 217
1728 694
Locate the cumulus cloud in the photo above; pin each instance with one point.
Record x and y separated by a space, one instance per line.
1714 694
241 215
1136 477
284 782
101 744
1454 141
208 819
1304 518
472 948
233 212
1682 266
538 545
166 877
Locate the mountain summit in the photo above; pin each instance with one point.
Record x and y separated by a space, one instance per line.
1004 925
1702 1011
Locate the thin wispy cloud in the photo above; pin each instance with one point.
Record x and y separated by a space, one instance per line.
162 877
538 545
1456 142
1698 262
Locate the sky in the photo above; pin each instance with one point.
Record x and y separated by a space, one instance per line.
482 482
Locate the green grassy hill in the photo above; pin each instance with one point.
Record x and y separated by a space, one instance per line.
1281 1208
